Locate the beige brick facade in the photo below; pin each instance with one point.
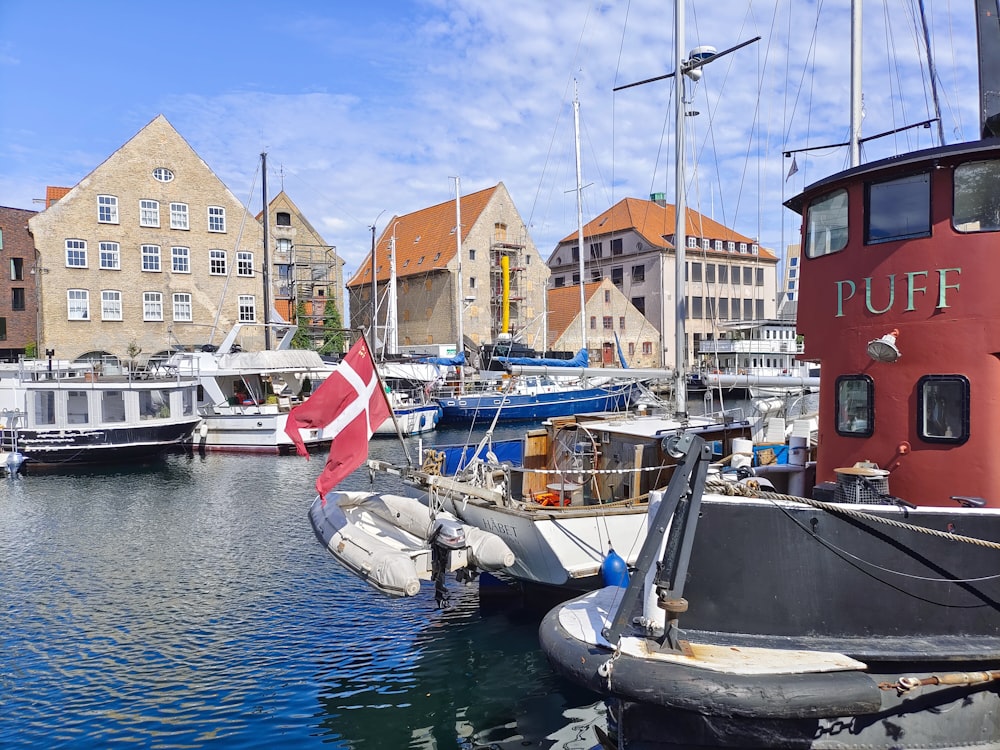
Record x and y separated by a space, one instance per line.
306 268
610 321
195 300
427 269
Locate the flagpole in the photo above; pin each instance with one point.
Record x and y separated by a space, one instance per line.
392 412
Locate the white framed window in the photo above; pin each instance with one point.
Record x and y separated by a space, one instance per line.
149 213
706 244
107 209
111 304
743 247
77 304
731 246
754 249
162 174
178 215
151 258
718 244
180 259
216 219
182 307
152 306
692 243
244 263
111 256
248 308
76 253
217 262
283 245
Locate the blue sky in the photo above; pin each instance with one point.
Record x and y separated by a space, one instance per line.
373 107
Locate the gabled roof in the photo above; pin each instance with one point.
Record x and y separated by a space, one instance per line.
654 223
425 239
564 306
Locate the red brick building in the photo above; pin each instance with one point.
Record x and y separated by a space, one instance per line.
18 300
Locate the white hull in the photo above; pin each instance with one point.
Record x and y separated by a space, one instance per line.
559 546
412 420
386 540
252 433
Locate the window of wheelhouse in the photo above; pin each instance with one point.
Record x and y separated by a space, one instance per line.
855 402
898 209
943 408
826 224
977 197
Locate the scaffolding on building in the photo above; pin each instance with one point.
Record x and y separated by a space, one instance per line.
517 290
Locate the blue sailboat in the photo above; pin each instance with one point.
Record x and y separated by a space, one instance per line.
535 397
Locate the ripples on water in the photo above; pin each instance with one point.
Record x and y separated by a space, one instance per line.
189 604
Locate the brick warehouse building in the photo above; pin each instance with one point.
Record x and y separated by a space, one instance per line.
18 298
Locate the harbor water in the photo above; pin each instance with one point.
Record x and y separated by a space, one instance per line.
188 604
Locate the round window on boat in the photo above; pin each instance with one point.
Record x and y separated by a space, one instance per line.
162 174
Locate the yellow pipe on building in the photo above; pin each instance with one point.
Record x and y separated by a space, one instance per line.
505 308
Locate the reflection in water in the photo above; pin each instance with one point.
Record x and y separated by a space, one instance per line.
188 603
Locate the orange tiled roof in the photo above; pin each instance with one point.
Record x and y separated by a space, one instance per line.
425 239
654 222
564 306
52 194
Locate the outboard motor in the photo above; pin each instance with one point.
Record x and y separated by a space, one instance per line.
15 460
447 534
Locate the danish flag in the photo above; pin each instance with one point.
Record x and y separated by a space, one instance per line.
350 404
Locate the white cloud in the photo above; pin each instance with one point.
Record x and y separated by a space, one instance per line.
380 110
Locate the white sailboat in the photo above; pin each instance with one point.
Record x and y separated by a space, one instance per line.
408 384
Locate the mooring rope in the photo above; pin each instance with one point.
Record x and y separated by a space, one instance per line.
749 490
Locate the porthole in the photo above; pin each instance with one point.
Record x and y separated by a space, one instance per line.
162 174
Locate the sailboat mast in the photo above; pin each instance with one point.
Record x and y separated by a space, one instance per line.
579 221
391 323
856 113
460 289
267 263
680 229
375 340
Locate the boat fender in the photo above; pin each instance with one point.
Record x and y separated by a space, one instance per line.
614 572
203 430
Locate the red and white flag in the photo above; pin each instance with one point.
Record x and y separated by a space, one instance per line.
350 404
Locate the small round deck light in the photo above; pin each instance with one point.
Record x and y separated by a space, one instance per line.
884 349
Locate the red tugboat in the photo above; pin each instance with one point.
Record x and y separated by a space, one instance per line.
867 614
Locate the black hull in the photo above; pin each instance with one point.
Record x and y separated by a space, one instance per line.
52 448
949 719
792 576
788 577
673 706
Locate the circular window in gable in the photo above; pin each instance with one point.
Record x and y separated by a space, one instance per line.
162 174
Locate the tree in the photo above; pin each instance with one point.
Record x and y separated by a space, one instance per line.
333 329
301 339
